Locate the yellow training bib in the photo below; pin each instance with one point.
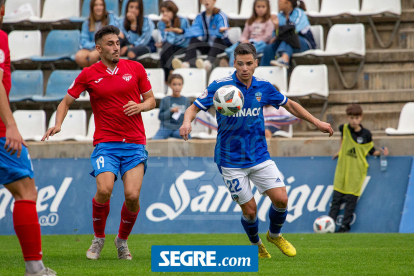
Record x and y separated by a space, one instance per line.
352 166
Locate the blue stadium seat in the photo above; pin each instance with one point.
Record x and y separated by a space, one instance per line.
150 7
59 45
111 5
57 85
26 84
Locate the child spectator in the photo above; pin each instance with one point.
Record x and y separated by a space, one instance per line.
172 109
211 25
136 37
352 166
172 29
258 30
98 17
293 34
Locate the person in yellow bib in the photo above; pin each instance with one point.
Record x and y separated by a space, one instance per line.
352 167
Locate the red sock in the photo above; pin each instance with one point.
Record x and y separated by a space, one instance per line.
100 212
27 227
128 219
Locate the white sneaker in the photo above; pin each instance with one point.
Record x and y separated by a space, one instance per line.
199 63
123 251
94 252
207 65
45 272
177 63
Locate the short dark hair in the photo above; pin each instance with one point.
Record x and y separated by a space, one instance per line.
354 109
245 49
105 31
174 76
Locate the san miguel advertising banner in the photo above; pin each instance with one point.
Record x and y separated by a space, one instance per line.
188 195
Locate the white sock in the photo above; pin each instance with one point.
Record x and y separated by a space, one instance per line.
120 241
34 267
274 235
257 243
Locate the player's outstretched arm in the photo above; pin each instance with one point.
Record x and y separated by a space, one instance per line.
14 140
133 108
189 116
61 112
297 110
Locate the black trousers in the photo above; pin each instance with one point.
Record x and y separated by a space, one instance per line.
218 47
350 204
167 54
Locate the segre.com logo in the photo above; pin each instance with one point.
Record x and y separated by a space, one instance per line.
204 258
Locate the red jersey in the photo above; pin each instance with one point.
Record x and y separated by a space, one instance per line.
109 91
5 67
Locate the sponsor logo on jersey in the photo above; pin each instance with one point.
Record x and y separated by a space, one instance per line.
127 77
2 56
258 96
98 80
352 153
248 112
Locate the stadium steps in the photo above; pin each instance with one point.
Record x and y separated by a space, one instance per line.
371 96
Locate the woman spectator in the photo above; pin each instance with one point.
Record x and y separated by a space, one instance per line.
211 25
293 24
98 17
172 29
136 37
258 30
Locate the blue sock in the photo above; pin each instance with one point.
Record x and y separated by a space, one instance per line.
252 228
277 217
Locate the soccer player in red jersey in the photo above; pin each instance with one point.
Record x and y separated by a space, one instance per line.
16 172
115 87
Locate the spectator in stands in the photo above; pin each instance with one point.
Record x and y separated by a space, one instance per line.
136 37
276 119
98 17
172 109
258 30
172 29
351 170
211 25
293 34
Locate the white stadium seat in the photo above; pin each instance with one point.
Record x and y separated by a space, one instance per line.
151 122
406 122
308 80
318 35
91 131
275 75
312 6
246 10
229 7
73 126
187 8
333 8
220 72
156 78
25 44
194 81
274 6
58 10
234 34
31 123
13 14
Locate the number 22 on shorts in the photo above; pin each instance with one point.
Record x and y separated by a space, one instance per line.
233 186
100 160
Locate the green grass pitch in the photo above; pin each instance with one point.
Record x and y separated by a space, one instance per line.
329 254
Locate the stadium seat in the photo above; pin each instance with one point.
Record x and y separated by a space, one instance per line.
31 123
156 78
25 44
84 97
73 126
202 125
234 35
383 8
187 8
275 75
312 6
318 35
12 6
91 131
334 8
194 81
274 6
229 7
221 72
26 84
151 122
282 133
59 45
58 85
246 10
58 10
406 122
154 56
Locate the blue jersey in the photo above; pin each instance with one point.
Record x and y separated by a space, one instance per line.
241 141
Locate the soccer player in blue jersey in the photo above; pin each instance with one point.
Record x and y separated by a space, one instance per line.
241 151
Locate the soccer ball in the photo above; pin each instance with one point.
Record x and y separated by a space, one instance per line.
228 100
324 224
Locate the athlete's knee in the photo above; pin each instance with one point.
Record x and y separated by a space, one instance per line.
250 215
103 194
132 202
281 202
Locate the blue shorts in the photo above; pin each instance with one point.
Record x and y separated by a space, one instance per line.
117 157
13 168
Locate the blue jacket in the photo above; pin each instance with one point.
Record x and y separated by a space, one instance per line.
302 25
87 40
173 38
133 37
200 29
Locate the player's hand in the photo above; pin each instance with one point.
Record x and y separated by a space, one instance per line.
275 19
50 132
14 141
131 17
223 29
185 130
384 150
132 108
324 127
